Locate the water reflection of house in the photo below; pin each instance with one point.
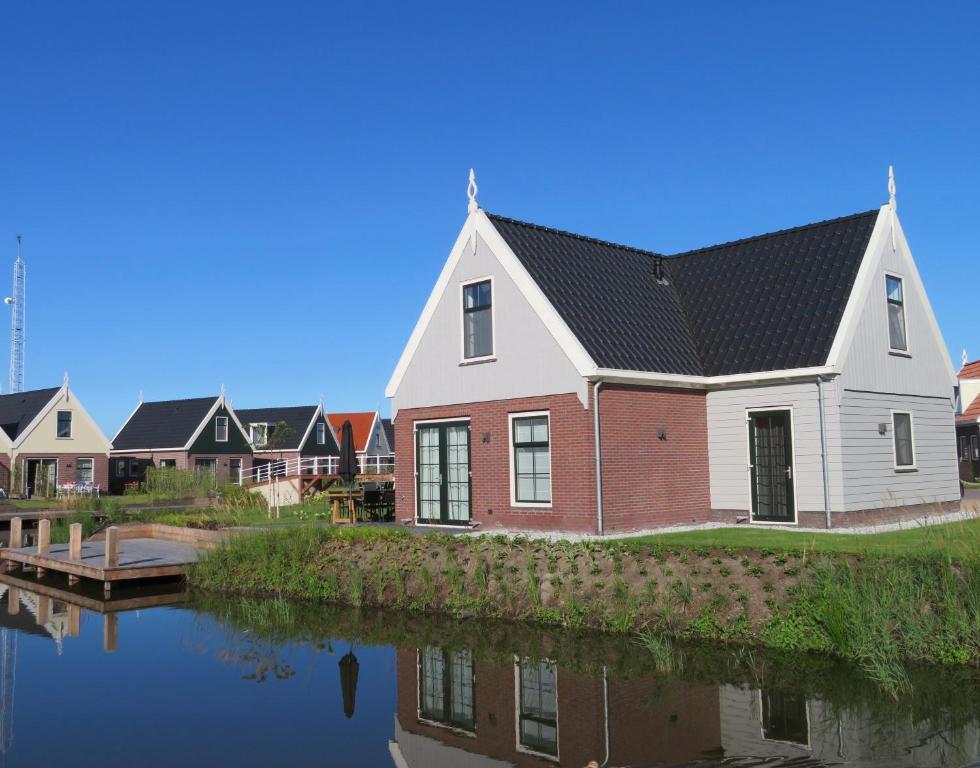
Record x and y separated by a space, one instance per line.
455 711
774 723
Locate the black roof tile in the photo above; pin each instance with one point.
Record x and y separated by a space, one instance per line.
163 424
298 417
389 429
17 410
765 303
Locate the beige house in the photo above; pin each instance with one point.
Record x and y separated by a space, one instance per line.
47 440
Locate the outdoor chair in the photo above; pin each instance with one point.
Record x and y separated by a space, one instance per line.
372 499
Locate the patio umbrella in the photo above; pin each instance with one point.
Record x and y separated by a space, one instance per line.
349 667
348 462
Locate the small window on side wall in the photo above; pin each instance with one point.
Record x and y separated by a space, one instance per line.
904 440
477 320
221 429
321 434
897 331
64 423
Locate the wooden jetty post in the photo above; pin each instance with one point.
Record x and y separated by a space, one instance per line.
43 540
111 554
74 620
110 632
74 547
13 600
16 533
43 609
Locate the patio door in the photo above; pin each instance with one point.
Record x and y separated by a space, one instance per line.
771 462
42 477
442 473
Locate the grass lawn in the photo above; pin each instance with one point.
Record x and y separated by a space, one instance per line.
35 504
959 539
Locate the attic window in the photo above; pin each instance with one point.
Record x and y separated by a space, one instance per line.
895 295
64 423
321 433
221 429
259 434
477 320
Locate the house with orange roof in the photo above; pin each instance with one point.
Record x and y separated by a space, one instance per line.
968 419
374 452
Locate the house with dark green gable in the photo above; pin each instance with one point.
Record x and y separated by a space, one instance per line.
202 433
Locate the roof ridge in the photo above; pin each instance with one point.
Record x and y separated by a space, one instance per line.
574 235
775 233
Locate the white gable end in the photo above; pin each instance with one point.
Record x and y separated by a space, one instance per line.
528 359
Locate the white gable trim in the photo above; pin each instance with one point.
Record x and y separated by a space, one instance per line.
309 429
370 434
477 224
886 227
616 376
76 406
219 401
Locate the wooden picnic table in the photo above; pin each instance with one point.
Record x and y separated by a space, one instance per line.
340 513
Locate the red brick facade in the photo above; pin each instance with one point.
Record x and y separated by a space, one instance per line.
185 460
66 467
647 482
648 724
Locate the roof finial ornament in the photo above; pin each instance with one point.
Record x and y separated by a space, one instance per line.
222 391
66 378
891 188
141 397
964 358
471 190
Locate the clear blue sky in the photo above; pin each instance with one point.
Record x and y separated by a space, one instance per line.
262 194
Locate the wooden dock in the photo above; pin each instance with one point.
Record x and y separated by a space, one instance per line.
111 560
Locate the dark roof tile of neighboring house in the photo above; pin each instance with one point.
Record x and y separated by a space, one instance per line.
765 303
297 417
163 424
17 410
389 429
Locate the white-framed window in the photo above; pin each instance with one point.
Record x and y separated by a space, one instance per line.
84 470
975 444
221 429
478 336
259 434
168 463
530 441
537 706
321 433
64 424
895 299
903 438
964 448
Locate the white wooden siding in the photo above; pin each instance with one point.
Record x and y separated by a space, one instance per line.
870 478
728 443
529 360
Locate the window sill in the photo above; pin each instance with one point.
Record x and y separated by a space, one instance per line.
478 360
544 505
899 353
905 470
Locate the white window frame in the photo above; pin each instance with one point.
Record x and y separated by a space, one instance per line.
463 359
217 422
513 461
251 433
904 467
85 458
321 433
907 352
517 708
71 424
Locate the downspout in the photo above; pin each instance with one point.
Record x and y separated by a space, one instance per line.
598 454
823 452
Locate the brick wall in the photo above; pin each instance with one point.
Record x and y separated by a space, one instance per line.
573 506
66 466
648 482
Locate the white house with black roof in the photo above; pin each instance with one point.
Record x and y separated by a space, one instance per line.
48 441
308 439
555 381
202 433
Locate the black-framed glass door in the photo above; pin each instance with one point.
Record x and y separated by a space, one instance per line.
771 462
442 472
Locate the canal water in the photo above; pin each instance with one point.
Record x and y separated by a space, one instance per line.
149 680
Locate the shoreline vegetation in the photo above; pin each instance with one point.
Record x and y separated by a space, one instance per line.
883 612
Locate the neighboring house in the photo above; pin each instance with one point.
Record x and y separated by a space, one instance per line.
47 439
311 437
370 443
968 420
796 377
201 433
389 429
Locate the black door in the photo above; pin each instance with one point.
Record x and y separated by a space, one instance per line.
771 460
442 473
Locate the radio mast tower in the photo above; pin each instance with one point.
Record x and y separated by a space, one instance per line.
16 301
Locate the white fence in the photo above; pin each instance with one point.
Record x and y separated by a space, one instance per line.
312 465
